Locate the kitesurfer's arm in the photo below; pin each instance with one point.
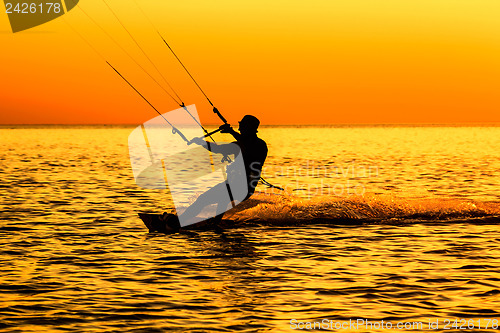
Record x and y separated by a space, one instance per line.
226 128
225 149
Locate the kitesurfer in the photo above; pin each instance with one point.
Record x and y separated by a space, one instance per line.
254 153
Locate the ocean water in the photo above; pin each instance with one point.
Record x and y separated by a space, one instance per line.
385 223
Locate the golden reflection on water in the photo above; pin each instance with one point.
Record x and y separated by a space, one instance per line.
407 161
75 257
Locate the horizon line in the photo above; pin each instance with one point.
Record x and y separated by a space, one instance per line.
478 123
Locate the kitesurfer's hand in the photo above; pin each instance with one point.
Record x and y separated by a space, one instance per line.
226 128
199 141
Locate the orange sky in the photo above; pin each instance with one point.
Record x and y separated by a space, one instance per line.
287 62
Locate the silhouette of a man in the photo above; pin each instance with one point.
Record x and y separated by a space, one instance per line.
254 153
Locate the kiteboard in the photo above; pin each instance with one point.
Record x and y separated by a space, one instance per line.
166 223
169 223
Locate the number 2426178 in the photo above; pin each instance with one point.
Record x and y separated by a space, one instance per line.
33 8
471 324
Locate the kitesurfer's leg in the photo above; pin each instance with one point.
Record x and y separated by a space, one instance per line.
221 209
216 195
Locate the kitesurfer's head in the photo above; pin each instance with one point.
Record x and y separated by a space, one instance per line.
249 125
